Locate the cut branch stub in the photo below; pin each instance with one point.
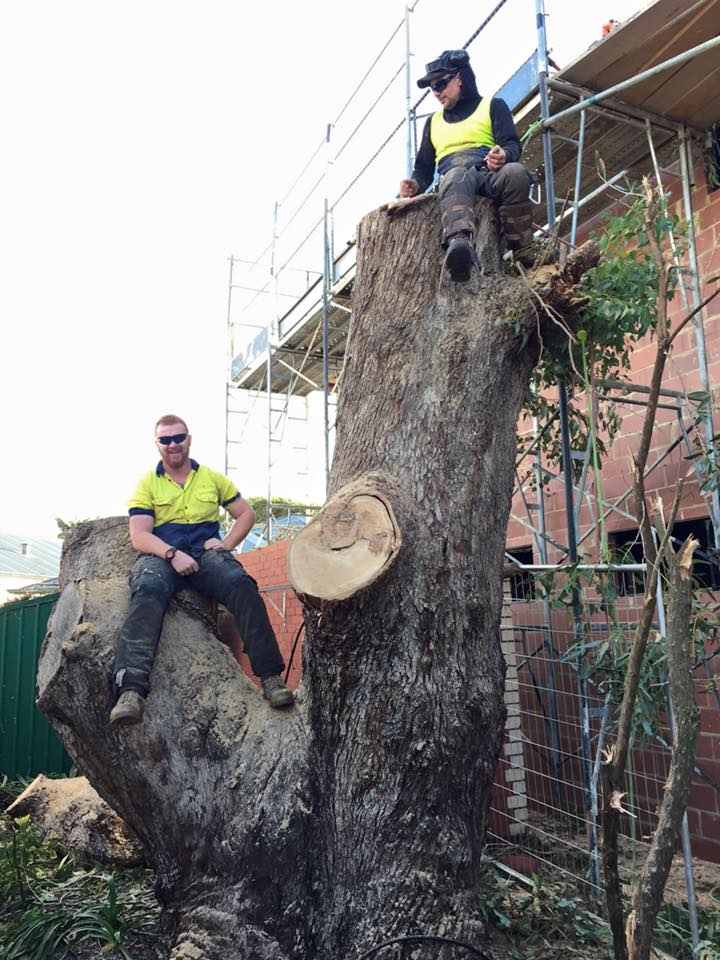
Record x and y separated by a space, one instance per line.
346 547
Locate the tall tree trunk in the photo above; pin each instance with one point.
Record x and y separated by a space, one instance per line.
360 815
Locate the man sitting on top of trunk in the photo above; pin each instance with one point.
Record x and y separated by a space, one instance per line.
473 142
174 525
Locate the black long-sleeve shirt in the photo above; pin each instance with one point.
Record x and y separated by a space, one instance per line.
504 133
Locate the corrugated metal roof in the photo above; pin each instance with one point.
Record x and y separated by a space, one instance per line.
37 558
44 587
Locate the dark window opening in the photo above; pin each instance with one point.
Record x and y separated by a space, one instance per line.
627 548
522 584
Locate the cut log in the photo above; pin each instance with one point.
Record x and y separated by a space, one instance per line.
360 815
70 811
347 546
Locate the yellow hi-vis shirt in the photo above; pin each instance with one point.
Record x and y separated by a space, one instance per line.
184 517
475 131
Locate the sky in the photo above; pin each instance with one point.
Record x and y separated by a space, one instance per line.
144 143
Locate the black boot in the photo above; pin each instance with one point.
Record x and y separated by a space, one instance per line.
457 196
460 257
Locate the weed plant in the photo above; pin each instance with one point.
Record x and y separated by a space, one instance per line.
52 908
539 917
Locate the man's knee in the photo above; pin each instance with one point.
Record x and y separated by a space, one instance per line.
513 183
457 180
152 577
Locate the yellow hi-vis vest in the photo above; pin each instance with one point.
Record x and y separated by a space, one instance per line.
475 131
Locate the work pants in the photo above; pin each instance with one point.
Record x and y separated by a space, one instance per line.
462 182
153 582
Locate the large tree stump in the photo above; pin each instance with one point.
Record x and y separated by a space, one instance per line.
359 815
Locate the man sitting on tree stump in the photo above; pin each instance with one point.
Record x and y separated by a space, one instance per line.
174 524
474 144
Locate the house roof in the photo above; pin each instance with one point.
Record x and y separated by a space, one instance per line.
686 93
28 556
615 129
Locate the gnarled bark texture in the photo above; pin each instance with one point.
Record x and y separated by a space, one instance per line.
359 815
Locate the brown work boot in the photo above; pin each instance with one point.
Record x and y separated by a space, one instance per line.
128 710
460 257
276 692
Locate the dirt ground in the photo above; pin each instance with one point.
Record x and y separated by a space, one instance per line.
502 951
707 883
706 874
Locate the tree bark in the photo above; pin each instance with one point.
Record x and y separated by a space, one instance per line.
648 893
360 815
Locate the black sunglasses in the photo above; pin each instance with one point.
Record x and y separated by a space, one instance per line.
175 438
439 85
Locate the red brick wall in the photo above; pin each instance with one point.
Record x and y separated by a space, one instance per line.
269 567
682 374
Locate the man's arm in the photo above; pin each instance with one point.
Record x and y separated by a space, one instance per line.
145 541
424 169
504 130
244 517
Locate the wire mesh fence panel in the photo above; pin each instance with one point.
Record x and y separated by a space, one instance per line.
566 670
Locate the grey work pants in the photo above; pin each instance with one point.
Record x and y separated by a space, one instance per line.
463 182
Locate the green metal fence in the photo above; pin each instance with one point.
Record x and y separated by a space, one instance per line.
28 745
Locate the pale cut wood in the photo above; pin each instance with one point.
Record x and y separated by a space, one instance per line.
346 547
73 813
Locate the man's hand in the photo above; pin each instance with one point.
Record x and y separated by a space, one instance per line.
184 564
495 159
408 187
214 544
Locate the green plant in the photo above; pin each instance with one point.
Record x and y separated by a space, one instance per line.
10 790
51 905
280 506
66 525
619 307
63 919
673 930
537 916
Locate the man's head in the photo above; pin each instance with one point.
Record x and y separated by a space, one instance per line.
173 440
447 90
446 75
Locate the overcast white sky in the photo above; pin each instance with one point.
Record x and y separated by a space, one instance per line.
142 144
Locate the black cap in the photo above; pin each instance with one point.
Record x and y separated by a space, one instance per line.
449 61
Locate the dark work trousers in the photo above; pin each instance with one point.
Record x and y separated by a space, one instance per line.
153 583
461 182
